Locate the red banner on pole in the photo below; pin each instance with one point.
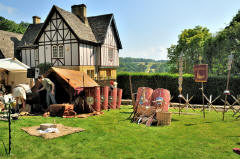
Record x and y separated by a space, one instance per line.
201 72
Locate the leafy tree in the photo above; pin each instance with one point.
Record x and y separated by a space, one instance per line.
11 26
190 43
219 47
154 66
235 20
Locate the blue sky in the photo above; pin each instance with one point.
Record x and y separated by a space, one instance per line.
146 27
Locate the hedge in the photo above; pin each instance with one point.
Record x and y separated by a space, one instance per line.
215 85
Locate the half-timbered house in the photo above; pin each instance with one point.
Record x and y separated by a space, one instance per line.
74 41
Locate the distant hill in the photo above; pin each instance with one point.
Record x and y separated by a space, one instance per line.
130 64
131 59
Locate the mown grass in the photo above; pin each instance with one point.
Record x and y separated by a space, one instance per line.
112 136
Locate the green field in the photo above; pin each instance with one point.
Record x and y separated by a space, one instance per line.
129 64
113 136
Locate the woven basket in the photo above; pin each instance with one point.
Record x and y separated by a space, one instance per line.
163 118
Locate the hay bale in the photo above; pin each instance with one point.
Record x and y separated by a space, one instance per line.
163 118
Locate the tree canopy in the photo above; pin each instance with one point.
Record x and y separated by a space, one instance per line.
190 44
214 48
11 26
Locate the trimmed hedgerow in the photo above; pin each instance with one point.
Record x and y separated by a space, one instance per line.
215 85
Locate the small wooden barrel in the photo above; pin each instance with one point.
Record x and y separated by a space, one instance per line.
163 118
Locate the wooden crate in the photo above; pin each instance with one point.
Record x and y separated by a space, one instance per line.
163 118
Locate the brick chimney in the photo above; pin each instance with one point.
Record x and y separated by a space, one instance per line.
80 11
36 20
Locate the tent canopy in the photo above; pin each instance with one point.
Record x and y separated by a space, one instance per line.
75 79
12 64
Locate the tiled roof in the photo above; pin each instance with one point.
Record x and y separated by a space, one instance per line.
99 25
83 31
9 42
93 31
30 34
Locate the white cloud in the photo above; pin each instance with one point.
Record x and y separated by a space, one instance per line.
7 9
153 52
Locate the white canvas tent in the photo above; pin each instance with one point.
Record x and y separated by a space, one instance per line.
12 64
13 72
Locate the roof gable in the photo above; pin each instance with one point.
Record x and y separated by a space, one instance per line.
101 24
94 33
77 27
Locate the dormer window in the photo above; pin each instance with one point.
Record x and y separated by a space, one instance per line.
57 51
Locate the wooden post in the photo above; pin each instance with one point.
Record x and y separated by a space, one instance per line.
227 92
200 61
131 91
210 101
179 106
203 100
132 96
180 79
9 127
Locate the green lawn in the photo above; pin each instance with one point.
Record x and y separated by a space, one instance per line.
112 136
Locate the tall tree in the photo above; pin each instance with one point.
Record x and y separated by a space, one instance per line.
190 43
11 26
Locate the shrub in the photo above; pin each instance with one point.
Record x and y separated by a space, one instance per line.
44 67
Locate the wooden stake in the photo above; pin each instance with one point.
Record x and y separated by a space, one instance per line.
203 100
132 96
179 106
226 95
131 91
9 128
230 58
180 79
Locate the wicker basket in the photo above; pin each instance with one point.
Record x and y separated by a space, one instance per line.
163 118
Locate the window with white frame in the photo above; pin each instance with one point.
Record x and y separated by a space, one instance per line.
57 51
54 51
36 55
60 51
